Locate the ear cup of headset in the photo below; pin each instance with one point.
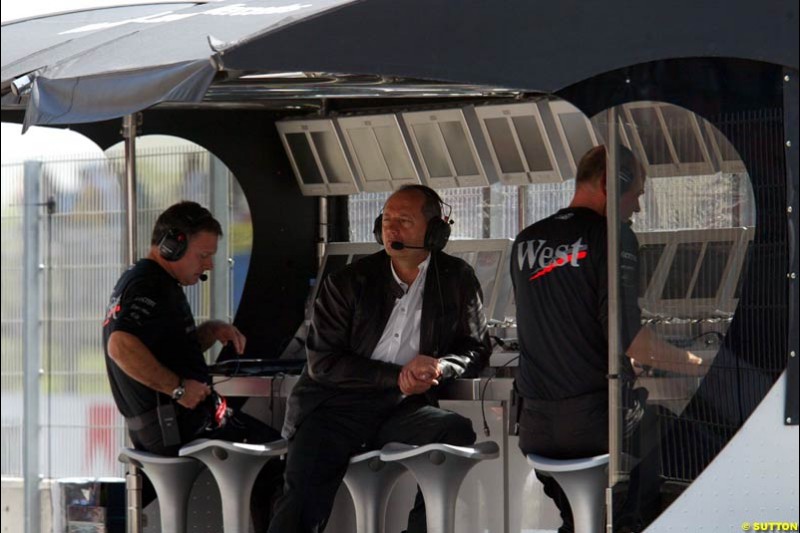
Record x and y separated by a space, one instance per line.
625 179
377 229
173 245
437 234
438 231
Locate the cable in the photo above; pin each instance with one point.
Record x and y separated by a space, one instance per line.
275 381
441 303
483 394
500 342
233 373
227 378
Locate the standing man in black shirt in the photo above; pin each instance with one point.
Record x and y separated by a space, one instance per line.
154 350
560 274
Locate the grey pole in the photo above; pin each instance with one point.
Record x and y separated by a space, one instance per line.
223 261
129 126
322 241
133 481
522 206
31 351
614 341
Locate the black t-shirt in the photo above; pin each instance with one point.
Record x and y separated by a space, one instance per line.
559 270
149 303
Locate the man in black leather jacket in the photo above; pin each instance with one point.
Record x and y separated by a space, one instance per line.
387 331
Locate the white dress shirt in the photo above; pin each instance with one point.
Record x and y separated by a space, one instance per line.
399 343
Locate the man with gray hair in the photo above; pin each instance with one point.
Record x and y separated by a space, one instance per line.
386 332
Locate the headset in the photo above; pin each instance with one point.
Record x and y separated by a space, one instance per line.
626 171
175 242
438 230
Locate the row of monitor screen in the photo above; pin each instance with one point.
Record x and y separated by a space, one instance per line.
688 273
692 272
516 143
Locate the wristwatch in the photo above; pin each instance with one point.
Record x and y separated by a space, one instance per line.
179 391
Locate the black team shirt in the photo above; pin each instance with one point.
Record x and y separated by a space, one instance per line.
559 269
150 304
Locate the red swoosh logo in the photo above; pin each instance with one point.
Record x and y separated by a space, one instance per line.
561 262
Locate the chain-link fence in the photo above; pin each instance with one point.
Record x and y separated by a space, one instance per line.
81 253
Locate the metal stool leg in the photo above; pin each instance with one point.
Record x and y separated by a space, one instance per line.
235 467
583 482
439 470
172 478
370 482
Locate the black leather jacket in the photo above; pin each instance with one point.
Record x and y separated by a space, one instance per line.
351 311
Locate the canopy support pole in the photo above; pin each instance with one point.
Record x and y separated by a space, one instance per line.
615 348
31 347
133 480
130 123
322 240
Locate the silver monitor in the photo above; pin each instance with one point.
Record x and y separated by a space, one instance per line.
692 273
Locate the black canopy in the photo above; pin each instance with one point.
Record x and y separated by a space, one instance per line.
172 54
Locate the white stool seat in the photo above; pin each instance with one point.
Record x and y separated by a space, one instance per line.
439 470
566 465
172 479
235 467
395 451
370 482
583 482
269 449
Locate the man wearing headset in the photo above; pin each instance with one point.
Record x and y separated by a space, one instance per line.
154 350
559 270
386 332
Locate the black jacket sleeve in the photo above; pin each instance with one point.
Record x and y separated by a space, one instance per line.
469 350
331 358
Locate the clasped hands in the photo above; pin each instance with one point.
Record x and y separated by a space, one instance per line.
419 375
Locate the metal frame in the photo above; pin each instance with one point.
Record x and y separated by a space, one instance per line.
495 304
437 117
791 414
676 167
562 107
307 127
370 122
724 302
508 112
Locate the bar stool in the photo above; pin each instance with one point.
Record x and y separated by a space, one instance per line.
172 478
235 466
439 470
370 482
583 482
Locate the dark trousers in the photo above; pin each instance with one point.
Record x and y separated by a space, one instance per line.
320 451
578 428
239 428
